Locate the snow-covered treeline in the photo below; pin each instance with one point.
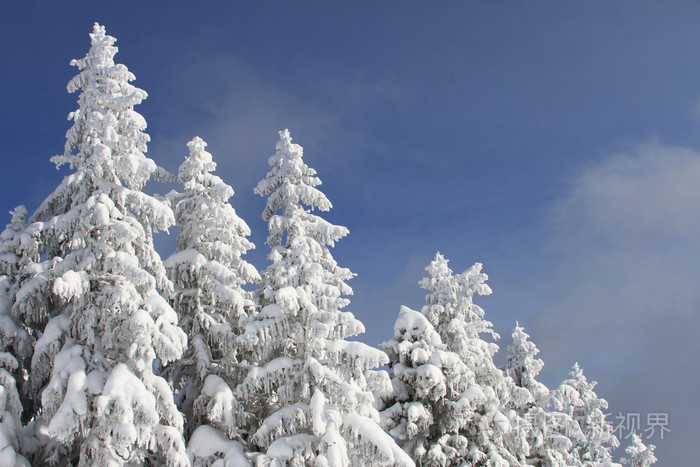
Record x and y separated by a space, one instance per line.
111 356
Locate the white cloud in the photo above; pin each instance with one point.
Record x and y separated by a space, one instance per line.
627 235
646 195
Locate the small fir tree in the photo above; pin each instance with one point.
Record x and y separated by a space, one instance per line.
96 298
640 455
310 395
208 274
548 432
523 366
576 398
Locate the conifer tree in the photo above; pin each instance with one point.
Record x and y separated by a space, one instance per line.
548 432
425 410
208 274
96 299
310 397
640 455
16 263
523 366
15 342
576 398
493 433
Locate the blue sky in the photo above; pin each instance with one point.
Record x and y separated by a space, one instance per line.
555 142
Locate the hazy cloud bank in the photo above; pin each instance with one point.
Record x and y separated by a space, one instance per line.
626 299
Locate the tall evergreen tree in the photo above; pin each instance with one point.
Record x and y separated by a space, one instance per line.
548 432
310 397
576 398
96 299
493 433
208 274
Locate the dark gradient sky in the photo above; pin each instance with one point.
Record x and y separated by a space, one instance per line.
555 142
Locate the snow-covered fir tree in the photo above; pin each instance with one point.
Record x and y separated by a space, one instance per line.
576 398
16 265
310 396
548 432
640 455
425 410
523 366
15 342
494 435
95 299
208 274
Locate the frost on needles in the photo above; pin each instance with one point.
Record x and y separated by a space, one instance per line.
92 290
15 342
209 273
452 406
448 404
109 356
549 433
310 391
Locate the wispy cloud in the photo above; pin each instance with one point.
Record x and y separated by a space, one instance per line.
626 301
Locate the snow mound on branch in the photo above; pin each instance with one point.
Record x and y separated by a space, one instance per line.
370 436
209 447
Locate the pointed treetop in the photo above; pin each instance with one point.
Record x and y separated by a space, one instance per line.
577 372
101 52
579 381
523 366
521 342
290 186
451 296
285 149
195 172
205 215
292 181
19 215
440 280
98 32
107 139
198 151
576 396
439 266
